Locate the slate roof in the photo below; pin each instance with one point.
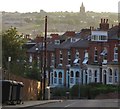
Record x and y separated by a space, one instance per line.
81 44
51 46
65 45
113 32
33 49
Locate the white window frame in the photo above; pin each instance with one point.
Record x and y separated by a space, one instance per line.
61 58
55 78
90 76
95 55
57 42
104 56
115 54
110 76
96 77
71 78
116 76
77 78
77 54
69 57
85 57
60 79
52 59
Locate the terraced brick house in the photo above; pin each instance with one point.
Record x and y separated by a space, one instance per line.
84 57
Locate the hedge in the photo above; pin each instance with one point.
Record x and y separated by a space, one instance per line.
92 90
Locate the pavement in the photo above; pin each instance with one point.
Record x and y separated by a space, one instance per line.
28 104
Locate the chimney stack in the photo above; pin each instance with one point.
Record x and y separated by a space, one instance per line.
104 25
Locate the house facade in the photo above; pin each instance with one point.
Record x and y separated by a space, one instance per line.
77 58
84 61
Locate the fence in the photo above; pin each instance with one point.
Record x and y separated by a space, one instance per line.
31 88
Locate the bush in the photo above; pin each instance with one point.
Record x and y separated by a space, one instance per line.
58 91
82 90
92 90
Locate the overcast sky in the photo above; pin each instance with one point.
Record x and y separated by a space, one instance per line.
58 5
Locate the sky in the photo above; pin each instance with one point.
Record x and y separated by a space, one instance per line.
58 5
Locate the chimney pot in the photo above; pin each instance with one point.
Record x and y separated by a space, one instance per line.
104 20
101 20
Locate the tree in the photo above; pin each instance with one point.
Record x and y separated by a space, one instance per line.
11 45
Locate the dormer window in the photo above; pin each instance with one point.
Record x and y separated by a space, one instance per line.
57 42
100 36
74 40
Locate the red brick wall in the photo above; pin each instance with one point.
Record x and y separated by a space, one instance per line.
30 89
100 46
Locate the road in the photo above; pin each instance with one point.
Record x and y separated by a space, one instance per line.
81 104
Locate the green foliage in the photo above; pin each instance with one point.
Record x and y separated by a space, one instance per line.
82 91
92 90
33 73
58 91
11 45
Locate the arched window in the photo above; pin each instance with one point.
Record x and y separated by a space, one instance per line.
95 75
90 73
90 76
72 74
110 72
71 77
110 75
60 78
77 74
55 77
104 76
60 74
55 74
116 75
52 78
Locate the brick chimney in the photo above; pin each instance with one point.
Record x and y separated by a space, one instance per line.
54 36
39 39
70 33
104 25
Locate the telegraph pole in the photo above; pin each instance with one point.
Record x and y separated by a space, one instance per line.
45 56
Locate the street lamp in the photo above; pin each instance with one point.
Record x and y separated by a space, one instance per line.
37 55
9 60
79 84
68 71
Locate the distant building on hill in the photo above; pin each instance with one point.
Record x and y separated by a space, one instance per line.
82 9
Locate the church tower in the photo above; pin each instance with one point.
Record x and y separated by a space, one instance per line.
82 9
